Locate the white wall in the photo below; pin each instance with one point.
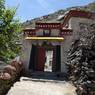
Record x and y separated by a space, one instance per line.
64 52
73 24
26 50
54 32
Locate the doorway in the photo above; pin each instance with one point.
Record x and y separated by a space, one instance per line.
45 58
49 60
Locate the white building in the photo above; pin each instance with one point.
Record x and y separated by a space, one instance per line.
55 37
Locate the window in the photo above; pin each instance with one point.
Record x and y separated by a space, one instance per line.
46 33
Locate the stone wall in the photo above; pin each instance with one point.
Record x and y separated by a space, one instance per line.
9 75
81 63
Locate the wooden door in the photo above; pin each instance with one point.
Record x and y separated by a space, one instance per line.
58 58
54 60
56 65
40 58
32 58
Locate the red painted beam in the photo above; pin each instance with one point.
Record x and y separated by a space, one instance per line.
29 32
64 32
48 25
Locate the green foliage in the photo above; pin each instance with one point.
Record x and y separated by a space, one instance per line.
9 32
92 7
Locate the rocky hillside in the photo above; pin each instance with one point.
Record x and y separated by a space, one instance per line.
52 17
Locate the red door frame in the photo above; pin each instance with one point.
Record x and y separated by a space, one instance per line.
40 58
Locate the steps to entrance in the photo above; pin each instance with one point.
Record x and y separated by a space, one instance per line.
41 87
48 75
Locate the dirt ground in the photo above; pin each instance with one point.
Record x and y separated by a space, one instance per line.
29 86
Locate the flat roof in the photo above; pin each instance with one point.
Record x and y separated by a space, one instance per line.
77 13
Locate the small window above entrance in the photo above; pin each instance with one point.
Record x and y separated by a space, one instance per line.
46 33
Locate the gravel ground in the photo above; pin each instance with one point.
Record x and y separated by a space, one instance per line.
29 86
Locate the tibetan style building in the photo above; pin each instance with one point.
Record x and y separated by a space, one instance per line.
45 47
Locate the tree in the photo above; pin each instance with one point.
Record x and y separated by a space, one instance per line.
9 32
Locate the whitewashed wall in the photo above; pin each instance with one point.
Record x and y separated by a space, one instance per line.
26 50
54 32
74 23
65 45
64 52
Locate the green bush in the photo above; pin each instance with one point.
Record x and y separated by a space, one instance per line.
9 32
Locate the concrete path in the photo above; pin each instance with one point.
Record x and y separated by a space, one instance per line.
29 86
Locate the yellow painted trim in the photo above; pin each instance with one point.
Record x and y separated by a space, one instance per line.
45 38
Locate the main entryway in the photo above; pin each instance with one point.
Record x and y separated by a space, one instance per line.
45 58
49 60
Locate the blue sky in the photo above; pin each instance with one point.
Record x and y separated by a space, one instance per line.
29 9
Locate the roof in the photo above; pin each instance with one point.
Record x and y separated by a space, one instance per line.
60 17
77 13
29 29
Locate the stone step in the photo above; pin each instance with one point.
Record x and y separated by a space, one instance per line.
48 75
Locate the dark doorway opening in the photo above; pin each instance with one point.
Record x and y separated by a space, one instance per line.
45 58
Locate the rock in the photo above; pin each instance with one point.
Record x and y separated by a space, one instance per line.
5 76
11 70
17 65
81 65
10 74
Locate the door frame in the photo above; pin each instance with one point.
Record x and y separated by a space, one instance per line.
56 64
